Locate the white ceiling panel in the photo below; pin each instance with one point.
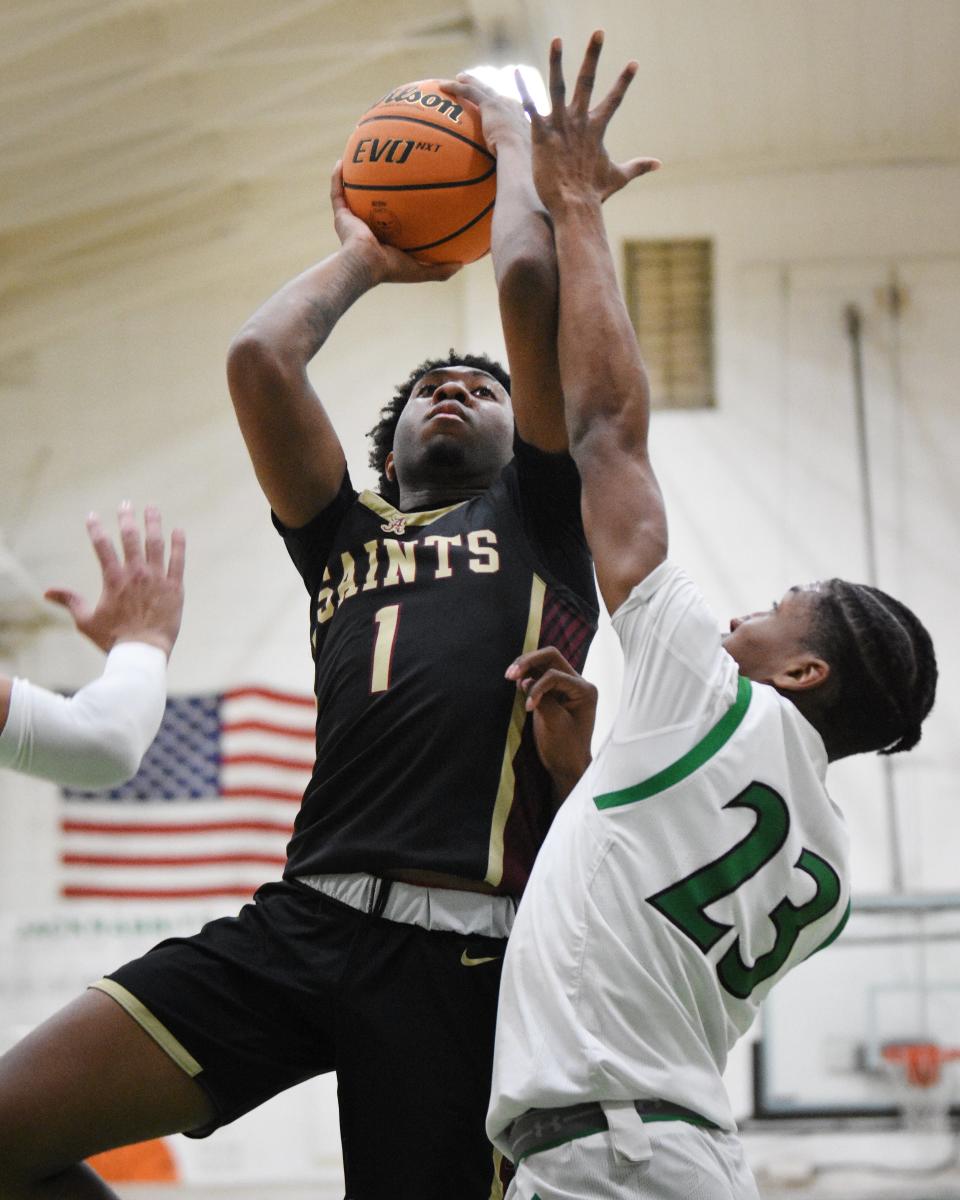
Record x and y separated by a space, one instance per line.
130 129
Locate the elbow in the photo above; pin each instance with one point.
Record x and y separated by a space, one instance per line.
610 413
112 761
589 441
115 769
599 434
249 353
528 277
254 365
117 747
113 736
124 762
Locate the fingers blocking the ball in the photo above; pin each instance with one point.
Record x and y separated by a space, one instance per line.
417 170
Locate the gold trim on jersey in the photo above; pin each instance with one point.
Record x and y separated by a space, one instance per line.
501 810
378 505
149 1024
496 1191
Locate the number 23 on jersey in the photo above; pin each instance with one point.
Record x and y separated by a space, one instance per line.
685 903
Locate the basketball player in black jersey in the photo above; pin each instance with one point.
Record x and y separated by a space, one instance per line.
379 953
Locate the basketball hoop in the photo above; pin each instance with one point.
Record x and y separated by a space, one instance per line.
922 1062
925 1094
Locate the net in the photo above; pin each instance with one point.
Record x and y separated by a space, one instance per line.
925 1090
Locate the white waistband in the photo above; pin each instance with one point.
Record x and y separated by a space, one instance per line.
442 909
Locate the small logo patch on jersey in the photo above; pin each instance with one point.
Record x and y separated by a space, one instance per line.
467 961
396 525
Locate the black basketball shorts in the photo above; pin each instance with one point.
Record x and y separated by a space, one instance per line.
299 984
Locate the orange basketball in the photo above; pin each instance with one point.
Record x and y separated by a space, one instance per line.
418 171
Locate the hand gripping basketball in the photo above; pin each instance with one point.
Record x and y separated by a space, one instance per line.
389 265
417 170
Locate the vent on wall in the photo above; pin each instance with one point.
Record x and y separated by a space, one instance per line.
669 287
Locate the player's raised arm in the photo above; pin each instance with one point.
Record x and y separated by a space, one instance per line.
295 450
604 382
525 267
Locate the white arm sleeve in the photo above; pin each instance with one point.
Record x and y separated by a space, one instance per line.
97 737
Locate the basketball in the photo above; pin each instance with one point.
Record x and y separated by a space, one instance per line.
418 171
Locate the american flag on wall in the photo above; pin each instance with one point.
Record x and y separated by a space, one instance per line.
210 811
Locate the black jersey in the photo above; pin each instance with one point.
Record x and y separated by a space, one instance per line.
425 760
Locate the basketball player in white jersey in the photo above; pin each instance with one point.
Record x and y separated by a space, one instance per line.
700 856
97 737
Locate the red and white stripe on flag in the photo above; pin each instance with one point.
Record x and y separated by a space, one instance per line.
210 811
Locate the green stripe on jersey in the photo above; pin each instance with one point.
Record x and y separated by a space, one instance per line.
708 745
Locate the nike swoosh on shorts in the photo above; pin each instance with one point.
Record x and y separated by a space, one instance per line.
467 961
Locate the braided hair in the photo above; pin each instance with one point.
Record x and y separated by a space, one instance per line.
381 435
883 670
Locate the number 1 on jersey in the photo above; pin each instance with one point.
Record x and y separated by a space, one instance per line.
386 622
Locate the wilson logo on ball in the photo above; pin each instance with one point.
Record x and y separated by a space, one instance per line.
438 103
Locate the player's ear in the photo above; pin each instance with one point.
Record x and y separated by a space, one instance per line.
388 468
801 673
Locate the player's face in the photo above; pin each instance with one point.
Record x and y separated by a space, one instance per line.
457 421
765 643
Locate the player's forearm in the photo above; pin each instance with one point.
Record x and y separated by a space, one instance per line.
525 267
292 326
521 239
604 380
607 408
293 446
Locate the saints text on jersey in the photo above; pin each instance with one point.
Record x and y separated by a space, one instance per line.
386 563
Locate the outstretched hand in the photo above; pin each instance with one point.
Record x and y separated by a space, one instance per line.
388 264
141 600
570 161
564 706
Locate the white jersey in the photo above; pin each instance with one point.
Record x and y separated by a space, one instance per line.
698 860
